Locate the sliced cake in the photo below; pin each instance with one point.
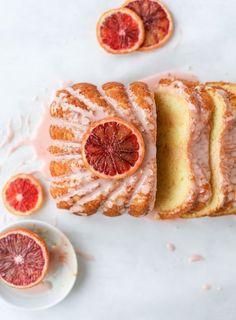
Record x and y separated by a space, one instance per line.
201 145
229 147
183 121
222 154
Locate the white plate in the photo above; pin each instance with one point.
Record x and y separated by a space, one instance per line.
60 280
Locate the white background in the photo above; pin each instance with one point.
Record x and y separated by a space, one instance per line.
44 43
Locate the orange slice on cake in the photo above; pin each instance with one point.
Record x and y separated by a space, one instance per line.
112 148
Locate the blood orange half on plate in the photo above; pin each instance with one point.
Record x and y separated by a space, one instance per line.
157 22
112 148
120 31
23 258
22 194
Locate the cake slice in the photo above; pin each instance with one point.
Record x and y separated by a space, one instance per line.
183 121
222 152
229 147
201 145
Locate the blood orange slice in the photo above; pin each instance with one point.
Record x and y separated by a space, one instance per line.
24 258
157 22
112 148
22 194
120 31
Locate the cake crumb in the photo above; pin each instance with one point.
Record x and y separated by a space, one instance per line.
206 286
170 247
196 258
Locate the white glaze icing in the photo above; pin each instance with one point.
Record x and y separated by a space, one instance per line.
85 189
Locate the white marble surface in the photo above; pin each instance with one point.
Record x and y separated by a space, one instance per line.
134 276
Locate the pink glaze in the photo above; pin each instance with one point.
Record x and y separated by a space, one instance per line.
153 80
41 142
196 258
66 84
152 215
10 134
170 247
40 288
85 255
206 286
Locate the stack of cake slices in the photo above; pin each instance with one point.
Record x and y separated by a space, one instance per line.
196 149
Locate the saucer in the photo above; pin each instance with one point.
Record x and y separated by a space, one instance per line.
61 275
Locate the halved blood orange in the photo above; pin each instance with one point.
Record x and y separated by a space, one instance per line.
112 148
24 258
22 194
157 20
120 31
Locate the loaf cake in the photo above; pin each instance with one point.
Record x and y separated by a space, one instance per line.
82 191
